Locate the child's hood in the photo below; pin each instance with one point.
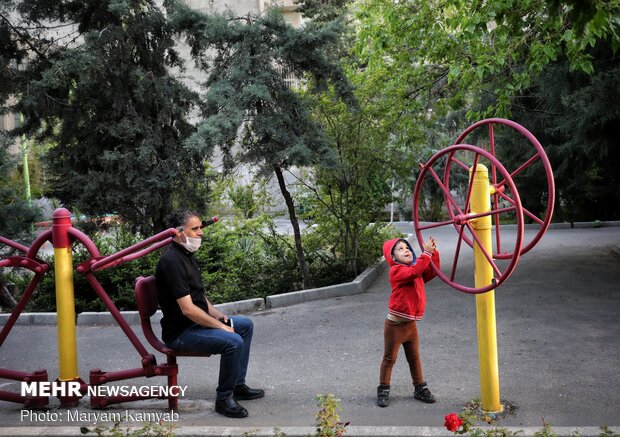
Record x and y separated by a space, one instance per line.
389 245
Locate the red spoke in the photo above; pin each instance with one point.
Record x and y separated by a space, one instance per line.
459 162
496 217
445 190
521 168
494 182
525 211
483 249
533 216
456 254
436 225
471 182
493 211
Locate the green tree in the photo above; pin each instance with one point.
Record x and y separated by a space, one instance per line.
16 215
349 195
450 54
591 20
108 95
576 117
249 103
437 60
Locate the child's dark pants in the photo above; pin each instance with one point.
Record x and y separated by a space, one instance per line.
395 334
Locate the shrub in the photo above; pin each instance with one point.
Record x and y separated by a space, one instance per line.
239 259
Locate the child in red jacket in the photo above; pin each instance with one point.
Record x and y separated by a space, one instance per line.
405 307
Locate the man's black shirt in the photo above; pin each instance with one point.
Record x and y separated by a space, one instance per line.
178 275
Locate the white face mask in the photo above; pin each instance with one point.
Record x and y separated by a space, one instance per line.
191 244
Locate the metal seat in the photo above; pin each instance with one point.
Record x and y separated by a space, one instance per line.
147 303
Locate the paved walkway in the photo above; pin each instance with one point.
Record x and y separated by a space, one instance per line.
558 339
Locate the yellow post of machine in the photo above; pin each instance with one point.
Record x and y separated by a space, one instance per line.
65 302
485 302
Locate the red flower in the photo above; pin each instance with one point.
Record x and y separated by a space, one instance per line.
452 422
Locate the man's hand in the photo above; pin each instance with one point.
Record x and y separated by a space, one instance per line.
202 318
224 320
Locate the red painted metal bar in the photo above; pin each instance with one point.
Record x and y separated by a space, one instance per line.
461 163
436 225
16 375
14 244
21 304
132 256
38 242
471 183
457 253
94 283
28 401
102 263
525 211
493 211
520 169
498 243
445 190
87 242
486 254
97 377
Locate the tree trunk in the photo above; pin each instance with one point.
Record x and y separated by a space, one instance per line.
6 298
301 259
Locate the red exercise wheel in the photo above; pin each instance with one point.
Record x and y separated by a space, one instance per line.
463 216
538 155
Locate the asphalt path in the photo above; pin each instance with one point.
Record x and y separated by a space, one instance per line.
558 335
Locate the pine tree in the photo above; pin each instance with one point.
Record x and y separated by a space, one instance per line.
248 102
107 94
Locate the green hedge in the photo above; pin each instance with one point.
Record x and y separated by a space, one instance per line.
239 259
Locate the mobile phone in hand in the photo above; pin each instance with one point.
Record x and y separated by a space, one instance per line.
230 323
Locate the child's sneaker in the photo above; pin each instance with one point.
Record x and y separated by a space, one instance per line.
423 394
383 395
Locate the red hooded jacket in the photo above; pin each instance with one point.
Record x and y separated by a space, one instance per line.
408 298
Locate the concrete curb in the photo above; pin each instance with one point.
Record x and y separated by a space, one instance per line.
358 285
293 431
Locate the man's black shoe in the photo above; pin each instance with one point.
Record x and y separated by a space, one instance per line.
245 393
230 408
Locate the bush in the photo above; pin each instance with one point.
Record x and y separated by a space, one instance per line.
239 259
117 281
331 264
246 259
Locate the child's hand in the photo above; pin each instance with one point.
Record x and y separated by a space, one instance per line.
429 246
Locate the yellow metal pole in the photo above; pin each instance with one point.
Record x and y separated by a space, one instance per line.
65 302
485 302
